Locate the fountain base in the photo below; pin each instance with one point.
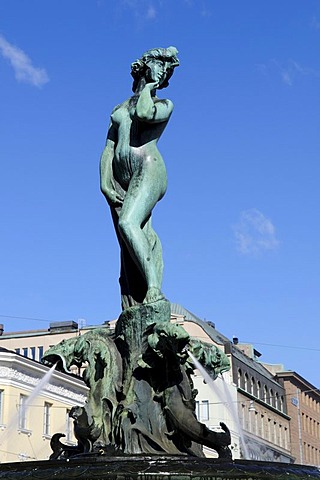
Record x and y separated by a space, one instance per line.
89 467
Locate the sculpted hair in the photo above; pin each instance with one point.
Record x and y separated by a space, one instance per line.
138 67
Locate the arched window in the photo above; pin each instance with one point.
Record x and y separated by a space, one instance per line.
265 394
247 384
259 391
240 378
253 387
281 403
272 399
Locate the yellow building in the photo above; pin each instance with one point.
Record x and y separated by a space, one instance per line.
33 343
32 410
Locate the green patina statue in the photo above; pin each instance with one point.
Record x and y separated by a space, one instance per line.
141 398
150 411
133 175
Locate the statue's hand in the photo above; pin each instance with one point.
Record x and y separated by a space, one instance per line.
113 198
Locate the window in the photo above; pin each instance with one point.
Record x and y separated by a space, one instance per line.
271 398
259 390
23 412
274 432
265 392
262 426
33 353
253 420
69 426
286 437
241 379
303 421
25 351
268 429
246 383
254 387
46 418
243 415
281 403
17 350
40 353
204 410
256 422
280 440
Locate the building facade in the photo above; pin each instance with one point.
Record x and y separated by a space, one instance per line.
303 400
33 343
262 407
33 407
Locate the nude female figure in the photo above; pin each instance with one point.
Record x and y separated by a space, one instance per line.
133 175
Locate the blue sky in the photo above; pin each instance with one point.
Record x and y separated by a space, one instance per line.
239 224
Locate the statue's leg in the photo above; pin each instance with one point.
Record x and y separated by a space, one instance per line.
146 188
156 249
132 283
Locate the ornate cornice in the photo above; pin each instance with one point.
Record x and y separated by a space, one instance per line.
30 380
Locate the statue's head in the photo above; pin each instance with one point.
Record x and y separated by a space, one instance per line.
156 65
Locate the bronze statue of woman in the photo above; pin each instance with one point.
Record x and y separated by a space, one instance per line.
133 175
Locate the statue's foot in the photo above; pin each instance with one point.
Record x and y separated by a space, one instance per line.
153 295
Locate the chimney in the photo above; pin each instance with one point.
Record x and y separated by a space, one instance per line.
63 327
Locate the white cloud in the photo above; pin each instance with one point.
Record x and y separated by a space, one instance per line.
143 10
315 23
22 65
289 71
254 233
205 10
151 12
262 68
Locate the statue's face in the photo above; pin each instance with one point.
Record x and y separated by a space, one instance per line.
157 70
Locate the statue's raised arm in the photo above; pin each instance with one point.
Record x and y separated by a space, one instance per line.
133 175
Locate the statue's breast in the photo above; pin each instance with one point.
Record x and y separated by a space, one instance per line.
123 114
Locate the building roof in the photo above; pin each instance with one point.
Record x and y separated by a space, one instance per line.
208 327
303 383
220 339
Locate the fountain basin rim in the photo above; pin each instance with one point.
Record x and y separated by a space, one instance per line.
102 467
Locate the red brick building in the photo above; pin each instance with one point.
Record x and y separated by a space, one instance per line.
303 406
